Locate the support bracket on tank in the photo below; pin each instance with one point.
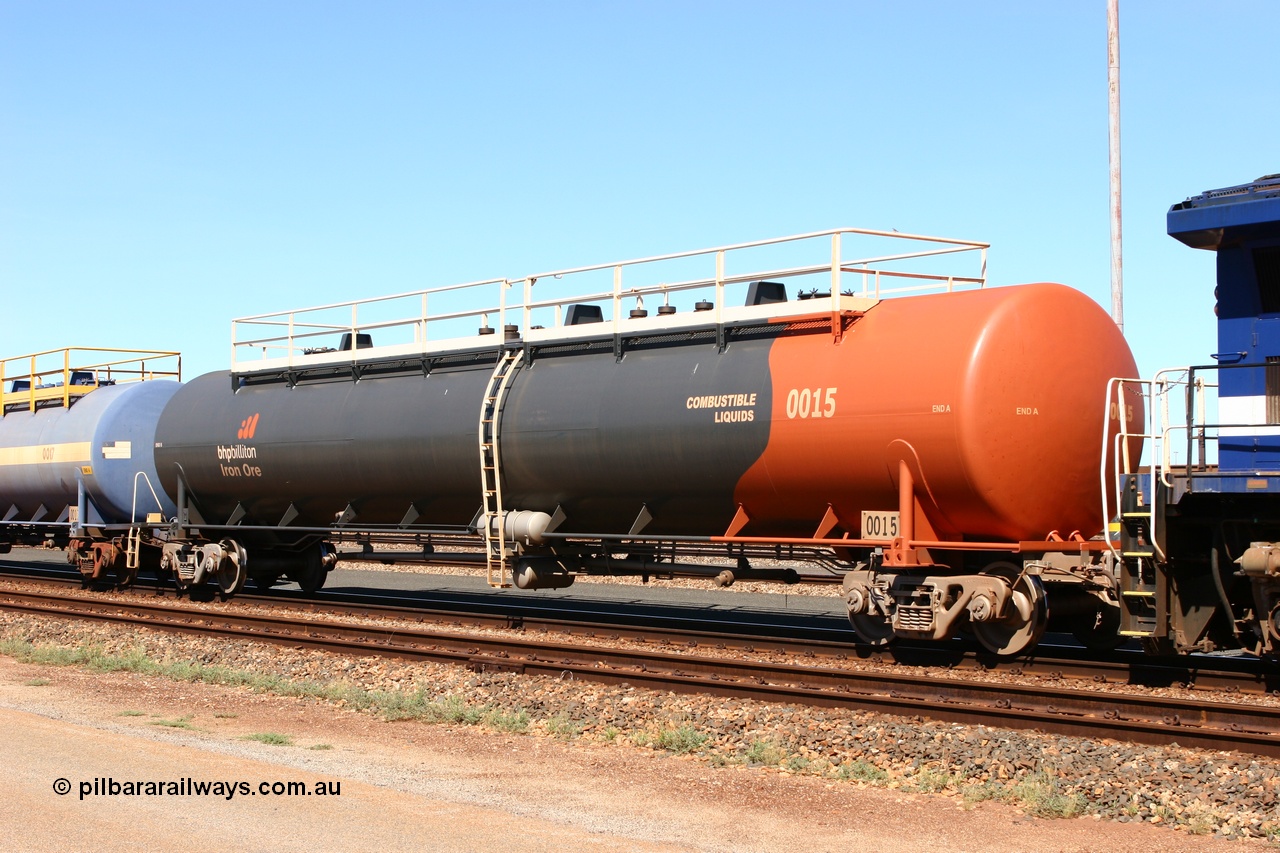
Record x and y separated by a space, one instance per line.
828 523
237 515
557 518
740 520
410 516
642 520
289 516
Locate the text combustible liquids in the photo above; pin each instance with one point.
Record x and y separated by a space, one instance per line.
731 408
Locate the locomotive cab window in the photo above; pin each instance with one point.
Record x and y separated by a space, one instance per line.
1266 266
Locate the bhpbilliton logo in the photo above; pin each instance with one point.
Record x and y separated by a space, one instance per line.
248 427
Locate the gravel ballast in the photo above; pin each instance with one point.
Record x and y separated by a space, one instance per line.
1226 794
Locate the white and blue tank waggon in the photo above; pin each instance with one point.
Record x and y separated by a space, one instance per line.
76 464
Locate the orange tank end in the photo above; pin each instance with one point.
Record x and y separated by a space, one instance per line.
992 400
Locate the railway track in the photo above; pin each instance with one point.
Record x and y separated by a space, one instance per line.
692 667
796 638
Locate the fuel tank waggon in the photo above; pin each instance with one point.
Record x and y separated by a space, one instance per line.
76 449
994 398
943 451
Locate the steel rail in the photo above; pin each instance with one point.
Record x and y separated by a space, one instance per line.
647 623
1138 718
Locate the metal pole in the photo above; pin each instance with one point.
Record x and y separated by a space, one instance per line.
1113 86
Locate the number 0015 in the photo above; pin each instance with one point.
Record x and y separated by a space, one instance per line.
879 525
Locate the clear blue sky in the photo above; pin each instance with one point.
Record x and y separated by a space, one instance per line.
167 166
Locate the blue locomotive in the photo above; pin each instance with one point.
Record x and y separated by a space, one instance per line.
1199 554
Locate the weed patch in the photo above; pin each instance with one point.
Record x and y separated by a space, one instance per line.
1042 796
680 741
562 727
932 781
270 738
764 752
862 771
183 722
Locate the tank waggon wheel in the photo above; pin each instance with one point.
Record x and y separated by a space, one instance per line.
231 568
873 630
312 571
1023 624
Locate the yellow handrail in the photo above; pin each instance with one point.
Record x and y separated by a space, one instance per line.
60 376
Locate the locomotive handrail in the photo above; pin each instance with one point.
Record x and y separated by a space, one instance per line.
1195 424
1161 431
251 351
1119 455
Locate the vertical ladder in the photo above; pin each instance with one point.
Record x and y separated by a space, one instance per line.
1140 606
492 516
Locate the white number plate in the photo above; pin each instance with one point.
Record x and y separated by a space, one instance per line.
880 525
